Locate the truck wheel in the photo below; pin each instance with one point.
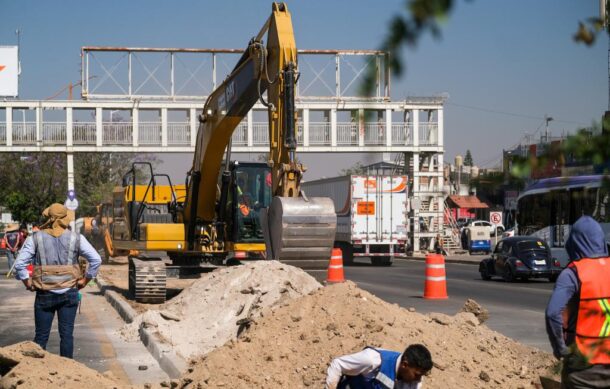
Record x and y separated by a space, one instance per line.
485 273
381 261
106 258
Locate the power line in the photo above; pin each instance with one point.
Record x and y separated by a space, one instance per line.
510 113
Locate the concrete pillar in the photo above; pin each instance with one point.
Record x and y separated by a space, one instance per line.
164 127
39 126
69 133
99 127
194 120
135 127
250 128
9 126
388 126
441 129
416 127
333 127
361 127
70 164
305 127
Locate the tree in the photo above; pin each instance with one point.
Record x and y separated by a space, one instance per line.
34 181
357 168
468 159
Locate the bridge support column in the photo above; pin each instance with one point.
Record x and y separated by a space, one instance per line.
70 157
305 127
194 120
9 126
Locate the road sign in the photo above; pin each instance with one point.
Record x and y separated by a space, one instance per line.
495 217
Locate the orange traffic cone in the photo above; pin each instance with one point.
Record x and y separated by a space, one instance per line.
335 267
436 282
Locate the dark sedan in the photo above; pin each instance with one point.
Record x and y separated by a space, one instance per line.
520 257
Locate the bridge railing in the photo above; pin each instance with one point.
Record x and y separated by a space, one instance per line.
150 133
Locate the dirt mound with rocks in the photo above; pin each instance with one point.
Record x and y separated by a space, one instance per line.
291 346
26 365
220 305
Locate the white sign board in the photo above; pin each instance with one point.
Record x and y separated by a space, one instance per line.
495 217
9 71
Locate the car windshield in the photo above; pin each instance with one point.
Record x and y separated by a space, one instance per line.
531 245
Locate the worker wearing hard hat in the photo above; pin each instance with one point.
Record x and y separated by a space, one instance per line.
377 368
54 251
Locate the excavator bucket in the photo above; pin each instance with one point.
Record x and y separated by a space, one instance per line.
299 231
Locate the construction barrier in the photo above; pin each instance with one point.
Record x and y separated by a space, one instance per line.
436 282
335 267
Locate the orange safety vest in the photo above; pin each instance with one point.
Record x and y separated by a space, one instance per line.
593 321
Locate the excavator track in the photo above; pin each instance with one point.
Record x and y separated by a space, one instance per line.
147 280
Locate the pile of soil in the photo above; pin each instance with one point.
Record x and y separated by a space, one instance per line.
222 304
291 346
26 365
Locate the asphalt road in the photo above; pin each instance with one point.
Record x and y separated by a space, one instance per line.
516 309
96 341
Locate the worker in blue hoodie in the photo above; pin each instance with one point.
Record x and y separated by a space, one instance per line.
578 313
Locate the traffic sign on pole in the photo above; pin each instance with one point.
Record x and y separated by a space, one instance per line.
495 218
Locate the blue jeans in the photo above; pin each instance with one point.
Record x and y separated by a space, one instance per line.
65 305
11 258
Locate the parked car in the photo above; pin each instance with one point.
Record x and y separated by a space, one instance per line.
521 257
478 239
493 229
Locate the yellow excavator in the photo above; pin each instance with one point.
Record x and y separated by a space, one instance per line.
231 210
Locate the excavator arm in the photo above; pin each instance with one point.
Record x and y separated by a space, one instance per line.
295 227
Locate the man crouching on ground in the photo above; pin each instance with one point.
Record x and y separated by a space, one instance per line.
380 369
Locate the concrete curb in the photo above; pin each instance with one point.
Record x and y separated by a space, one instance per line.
170 362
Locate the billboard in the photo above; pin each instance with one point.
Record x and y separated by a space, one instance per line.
9 71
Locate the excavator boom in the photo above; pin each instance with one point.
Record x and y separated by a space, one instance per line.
295 227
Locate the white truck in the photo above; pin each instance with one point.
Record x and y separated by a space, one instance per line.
371 215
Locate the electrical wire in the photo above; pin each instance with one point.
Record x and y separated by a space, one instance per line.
510 113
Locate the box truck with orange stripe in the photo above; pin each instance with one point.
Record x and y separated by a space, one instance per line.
371 214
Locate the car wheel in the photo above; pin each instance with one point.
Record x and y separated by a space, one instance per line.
553 278
508 274
485 274
469 252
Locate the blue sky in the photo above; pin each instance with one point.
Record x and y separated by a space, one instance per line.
515 57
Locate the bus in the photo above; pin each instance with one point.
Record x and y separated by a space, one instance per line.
548 208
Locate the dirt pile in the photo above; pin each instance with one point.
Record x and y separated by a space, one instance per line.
26 365
292 345
220 305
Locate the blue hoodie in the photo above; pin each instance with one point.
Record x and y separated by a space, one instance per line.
586 240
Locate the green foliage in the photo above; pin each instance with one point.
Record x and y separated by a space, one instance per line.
468 159
588 146
357 168
34 181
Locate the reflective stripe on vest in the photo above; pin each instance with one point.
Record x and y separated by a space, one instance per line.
593 320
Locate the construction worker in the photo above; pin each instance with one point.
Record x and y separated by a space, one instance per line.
57 277
376 368
578 313
13 242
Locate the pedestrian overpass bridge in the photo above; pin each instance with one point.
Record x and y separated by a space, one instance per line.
148 100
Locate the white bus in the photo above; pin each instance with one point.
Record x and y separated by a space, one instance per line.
548 208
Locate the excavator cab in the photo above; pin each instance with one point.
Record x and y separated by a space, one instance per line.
250 193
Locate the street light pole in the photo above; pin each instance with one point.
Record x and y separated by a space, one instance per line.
547 119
